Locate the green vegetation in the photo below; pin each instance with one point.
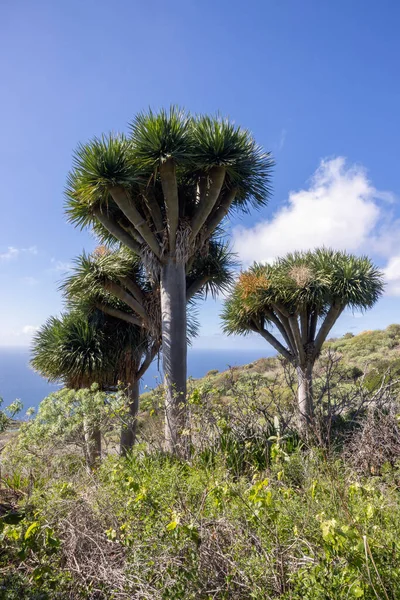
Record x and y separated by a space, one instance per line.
256 513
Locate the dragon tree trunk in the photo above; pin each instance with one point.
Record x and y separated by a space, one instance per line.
305 395
174 351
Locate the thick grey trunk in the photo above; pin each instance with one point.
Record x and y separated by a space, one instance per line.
92 443
128 431
305 396
174 351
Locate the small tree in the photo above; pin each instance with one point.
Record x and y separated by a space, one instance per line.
301 295
75 351
162 192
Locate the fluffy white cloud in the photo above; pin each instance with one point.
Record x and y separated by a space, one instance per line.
339 209
13 252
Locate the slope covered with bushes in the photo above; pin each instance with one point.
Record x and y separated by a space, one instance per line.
258 512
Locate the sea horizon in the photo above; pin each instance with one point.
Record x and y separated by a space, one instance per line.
19 381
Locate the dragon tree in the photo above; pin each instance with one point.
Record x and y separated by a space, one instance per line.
300 297
162 191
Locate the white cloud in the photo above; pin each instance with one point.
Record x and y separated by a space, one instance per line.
13 252
29 329
392 275
339 209
60 266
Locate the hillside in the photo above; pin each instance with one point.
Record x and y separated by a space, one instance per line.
256 513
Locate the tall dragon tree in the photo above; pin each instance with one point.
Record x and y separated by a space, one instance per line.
162 192
115 283
300 297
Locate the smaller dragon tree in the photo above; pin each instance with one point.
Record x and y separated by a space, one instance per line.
80 349
75 351
116 283
300 297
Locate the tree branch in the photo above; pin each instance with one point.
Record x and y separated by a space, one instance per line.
196 287
304 326
273 341
116 230
170 190
215 182
327 324
154 208
122 294
125 203
313 326
294 325
118 314
221 211
133 288
150 354
282 329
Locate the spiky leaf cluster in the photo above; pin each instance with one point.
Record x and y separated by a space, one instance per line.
194 144
302 281
215 268
71 349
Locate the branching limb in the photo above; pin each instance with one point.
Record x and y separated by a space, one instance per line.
294 325
331 317
148 359
125 203
118 314
215 182
220 212
124 296
117 231
171 198
196 287
273 341
285 332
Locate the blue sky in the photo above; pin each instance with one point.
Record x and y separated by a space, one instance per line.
316 82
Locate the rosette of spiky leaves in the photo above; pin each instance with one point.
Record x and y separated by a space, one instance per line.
175 171
351 281
218 142
72 349
213 272
296 291
159 136
112 281
98 165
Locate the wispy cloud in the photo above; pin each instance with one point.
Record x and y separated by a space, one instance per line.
30 281
282 140
59 266
12 252
29 329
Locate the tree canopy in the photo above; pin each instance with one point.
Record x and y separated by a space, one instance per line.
297 291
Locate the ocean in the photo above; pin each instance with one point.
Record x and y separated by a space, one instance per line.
18 380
